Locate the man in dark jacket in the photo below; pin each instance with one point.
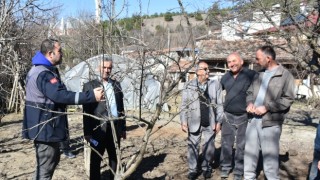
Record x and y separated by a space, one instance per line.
100 133
236 83
45 121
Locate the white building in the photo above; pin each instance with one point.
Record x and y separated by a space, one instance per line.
234 30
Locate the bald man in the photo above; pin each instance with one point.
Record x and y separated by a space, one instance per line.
236 82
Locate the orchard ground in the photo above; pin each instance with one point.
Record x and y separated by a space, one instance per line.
166 152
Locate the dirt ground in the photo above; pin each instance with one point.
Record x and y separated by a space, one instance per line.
166 154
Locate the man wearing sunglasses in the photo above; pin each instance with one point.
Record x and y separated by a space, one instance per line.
201 114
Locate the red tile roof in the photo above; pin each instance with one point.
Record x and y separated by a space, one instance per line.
220 49
183 65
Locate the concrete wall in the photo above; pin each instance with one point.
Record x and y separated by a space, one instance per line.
305 90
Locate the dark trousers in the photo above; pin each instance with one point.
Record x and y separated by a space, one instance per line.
233 130
65 145
104 143
48 157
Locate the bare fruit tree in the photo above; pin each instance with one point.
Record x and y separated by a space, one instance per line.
22 24
139 68
295 23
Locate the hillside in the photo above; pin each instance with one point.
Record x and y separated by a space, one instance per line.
178 20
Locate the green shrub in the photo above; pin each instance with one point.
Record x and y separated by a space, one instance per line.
198 17
168 17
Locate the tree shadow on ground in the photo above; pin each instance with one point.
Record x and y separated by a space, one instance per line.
11 122
17 176
12 143
8 139
148 164
284 165
291 173
133 127
303 118
76 143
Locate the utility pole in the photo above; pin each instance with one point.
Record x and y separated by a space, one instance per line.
98 11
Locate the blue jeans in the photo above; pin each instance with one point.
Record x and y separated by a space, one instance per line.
314 171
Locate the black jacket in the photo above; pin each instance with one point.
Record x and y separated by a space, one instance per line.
97 128
236 89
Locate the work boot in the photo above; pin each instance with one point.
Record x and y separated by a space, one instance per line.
207 174
192 175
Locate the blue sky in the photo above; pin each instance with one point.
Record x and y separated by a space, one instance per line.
73 7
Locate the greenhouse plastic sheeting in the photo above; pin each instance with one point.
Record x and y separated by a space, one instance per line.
125 70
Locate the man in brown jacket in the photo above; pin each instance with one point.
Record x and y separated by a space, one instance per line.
268 101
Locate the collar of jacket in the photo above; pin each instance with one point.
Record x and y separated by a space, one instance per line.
109 80
193 84
242 70
40 59
279 71
51 68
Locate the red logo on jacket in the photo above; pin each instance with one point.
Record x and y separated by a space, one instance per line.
53 80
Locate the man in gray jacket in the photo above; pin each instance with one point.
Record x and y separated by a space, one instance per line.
269 98
201 113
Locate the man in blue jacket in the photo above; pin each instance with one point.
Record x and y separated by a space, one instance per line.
45 121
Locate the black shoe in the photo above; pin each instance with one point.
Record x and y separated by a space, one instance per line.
224 174
69 154
192 175
207 174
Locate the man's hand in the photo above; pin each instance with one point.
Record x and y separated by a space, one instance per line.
217 128
98 93
250 108
261 110
184 127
